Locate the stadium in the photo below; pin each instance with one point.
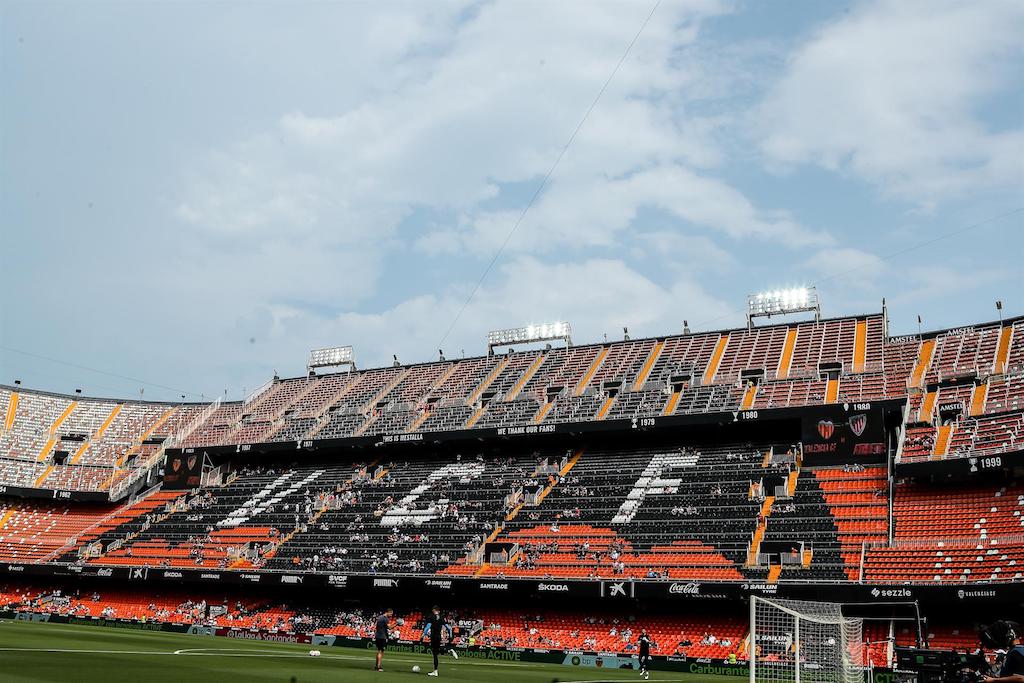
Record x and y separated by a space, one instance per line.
553 499
578 341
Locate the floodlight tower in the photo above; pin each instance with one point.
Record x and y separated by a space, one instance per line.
782 302
530 334
330 357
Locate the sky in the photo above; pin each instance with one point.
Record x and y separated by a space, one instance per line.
194 195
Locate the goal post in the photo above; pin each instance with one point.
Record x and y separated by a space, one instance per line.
797 641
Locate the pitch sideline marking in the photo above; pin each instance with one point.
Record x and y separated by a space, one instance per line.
241 652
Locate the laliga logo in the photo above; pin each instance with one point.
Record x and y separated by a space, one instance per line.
684 589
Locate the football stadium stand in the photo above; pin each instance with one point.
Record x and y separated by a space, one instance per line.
54 442
965 387
812 456
705 636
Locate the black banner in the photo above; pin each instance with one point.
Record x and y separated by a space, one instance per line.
532 589
55 494
965 467
183 470
844 433
654 423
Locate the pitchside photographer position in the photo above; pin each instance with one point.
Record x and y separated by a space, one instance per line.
1005 636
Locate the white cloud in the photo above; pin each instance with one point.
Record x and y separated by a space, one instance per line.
342 174
474 107
685 253
847 266
891 93
595 211
494 108
597 296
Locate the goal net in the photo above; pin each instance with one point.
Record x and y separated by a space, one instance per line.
795 641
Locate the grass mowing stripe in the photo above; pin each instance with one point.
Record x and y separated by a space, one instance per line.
39 652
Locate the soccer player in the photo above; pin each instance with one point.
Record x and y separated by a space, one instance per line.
435 625
381 636
645 654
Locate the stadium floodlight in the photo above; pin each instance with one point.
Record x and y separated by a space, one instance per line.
331 357
782 302
530 334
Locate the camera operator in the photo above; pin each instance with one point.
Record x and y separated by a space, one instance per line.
1005 635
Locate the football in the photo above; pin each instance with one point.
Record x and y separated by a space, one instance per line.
415 668
314 653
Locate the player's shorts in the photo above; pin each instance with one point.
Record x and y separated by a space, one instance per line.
382 644
436 647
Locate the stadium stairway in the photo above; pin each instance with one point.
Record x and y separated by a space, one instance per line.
716 359
860 341
786 359
942 441
645 371
832 391
584 382
749 394
543 411
1003 349
926 413
12 411
924 360
978 396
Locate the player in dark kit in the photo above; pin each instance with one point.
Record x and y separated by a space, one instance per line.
644 645
435 625
380 636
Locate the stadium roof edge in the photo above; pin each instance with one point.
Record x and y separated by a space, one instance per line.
76 397
924 335
935 333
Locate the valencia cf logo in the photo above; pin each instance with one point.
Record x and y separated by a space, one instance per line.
826 429
858 423
176 464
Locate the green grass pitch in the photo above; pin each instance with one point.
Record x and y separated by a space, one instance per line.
43 653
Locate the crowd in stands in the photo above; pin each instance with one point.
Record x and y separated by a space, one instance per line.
690 513
716 636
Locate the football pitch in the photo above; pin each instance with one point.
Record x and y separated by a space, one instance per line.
37 652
